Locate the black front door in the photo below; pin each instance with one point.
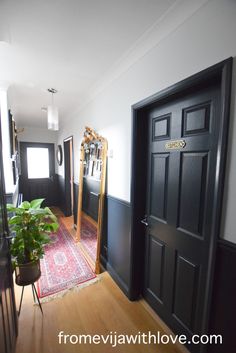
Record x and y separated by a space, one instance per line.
182 162
8 318
37 178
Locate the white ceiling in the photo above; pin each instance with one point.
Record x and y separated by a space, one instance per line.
68 45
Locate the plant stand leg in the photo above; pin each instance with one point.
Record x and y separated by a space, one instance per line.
22 293
33 293
37 298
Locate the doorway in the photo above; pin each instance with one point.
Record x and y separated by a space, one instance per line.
38 172
69 176
179 154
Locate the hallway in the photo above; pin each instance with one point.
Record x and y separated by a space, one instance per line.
121 116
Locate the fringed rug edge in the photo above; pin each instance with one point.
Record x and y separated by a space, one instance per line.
62 293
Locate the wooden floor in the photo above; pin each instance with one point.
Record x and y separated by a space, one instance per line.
67 221
97 309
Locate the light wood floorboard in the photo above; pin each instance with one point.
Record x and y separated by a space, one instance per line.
97 309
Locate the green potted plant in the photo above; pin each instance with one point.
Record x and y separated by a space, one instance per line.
32 225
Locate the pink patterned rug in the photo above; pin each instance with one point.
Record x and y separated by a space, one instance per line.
89 238
63 266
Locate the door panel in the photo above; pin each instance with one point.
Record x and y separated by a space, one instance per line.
196 119
159 185
180 193
191 207
185 289
156 260
38 187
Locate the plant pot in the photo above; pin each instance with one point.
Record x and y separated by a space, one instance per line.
28 273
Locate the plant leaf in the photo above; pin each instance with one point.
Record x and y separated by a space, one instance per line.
25 205
48 210
55 226
15 220
37 211
11 208
36 203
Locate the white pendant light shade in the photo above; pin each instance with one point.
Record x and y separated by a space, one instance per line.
53 118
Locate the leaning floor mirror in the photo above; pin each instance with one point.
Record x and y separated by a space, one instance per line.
92 181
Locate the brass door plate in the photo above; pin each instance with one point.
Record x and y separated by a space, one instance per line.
175 145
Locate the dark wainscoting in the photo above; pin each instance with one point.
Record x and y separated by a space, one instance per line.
60 182
91 190
75 209
223 310
118 241
103 253
90 198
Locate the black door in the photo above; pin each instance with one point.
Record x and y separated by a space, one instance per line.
8 318
38 172
182 162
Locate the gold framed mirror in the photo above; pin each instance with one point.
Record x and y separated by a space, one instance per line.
92 184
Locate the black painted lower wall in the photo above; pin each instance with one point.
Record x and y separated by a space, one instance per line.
118 241
223 310
61 201
91 192
90 198
76 193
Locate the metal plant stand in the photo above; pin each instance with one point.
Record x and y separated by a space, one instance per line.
25 280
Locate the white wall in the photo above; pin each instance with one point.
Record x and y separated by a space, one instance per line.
31 134
6 154
204 39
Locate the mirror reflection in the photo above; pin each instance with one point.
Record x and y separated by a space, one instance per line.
93 154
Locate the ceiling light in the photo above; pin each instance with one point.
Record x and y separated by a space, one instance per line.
53 119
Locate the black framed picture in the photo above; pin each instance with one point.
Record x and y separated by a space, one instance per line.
10 133
13 135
